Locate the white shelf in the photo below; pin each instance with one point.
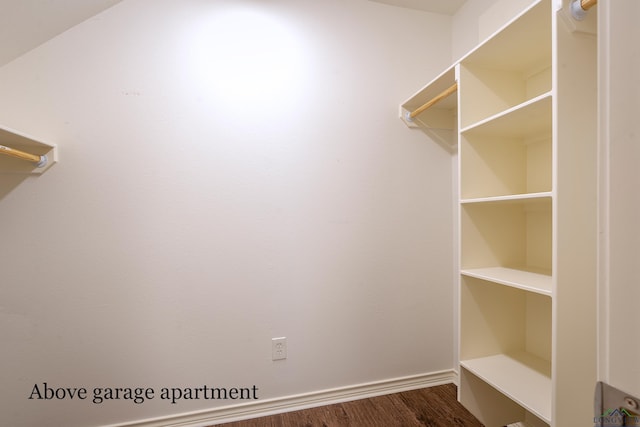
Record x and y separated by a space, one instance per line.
17 140
514 198
521 279
532 117
524 378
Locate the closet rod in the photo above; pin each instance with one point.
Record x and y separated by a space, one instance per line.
433 101
588 4
579 8
39 160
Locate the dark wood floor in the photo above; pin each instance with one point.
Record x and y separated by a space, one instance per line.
433 407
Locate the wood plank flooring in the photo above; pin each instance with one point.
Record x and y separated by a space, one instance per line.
434 407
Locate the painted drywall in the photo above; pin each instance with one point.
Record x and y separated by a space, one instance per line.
229 172
619 95
29 23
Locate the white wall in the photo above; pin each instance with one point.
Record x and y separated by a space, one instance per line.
193 217
619 98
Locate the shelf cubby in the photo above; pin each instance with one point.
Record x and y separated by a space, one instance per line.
509 69
522 378
505 336
508 233
510 153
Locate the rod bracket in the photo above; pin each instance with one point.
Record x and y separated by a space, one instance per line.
407 116
43 162
577 11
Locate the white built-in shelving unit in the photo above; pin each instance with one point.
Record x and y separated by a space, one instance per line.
526 143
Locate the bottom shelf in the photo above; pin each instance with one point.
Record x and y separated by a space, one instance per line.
524 378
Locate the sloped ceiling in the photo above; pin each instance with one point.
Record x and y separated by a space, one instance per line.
446 7
25 24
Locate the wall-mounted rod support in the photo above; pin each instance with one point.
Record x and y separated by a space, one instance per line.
579 8
40 161
411 115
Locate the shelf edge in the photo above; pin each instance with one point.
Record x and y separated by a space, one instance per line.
523 197
521 106
477 273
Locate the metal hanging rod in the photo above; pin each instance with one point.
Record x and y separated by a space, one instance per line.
411 115
579 8
40 161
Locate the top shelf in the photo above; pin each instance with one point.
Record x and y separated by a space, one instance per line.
19 141
511 69
522 45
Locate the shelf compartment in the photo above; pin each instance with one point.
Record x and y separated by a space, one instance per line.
514 234
483 102
23 142
511 67
486 403
505 340
509 154
524 378
497 319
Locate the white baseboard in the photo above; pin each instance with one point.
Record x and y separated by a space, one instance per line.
265 407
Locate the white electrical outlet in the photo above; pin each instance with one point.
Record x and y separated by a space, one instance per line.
278 348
